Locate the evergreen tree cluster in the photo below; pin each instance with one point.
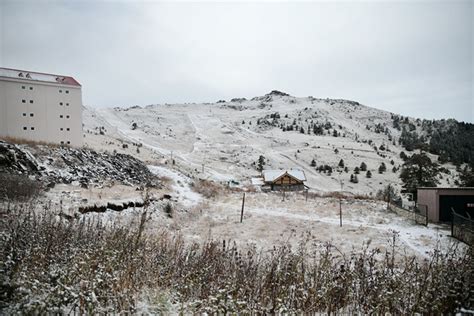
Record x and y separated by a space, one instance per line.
451 140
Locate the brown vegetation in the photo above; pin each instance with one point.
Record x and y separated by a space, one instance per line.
50 265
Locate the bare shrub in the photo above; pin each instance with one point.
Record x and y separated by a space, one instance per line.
168 210
208 189
83 266
18 187
23 141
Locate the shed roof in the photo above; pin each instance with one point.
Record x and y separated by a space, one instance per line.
38 76
452 189
272 175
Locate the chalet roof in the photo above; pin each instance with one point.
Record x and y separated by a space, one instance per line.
38 76
272 175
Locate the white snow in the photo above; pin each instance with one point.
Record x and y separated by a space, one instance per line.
181 185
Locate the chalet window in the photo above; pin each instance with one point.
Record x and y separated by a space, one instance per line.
60 103
31 101
67 91
67 116
24 114
23 87
31 88
68 142
25 128
60 91
67 129
60 116
67 104
61 128
31 115
32 128
23 101
62 143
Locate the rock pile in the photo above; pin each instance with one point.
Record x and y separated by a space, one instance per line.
66 165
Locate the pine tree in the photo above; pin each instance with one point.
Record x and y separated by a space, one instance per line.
313 163
341 163
356 170
363 166
261 163
382 168
466 176
419 171
368 174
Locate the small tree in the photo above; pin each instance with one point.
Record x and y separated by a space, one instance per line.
466 176
382 168
313 163
368 174
341 163
260 163
356 170
363 166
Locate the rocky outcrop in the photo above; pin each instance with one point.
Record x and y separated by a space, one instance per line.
66 165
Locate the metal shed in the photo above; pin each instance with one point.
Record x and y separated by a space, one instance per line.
441 201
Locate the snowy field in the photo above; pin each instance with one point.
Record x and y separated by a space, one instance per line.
222 142
270 219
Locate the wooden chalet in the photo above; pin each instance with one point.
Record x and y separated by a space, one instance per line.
284 180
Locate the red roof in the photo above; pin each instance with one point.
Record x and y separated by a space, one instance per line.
38 76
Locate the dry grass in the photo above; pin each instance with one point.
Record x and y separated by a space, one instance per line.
83 266
209 189
23 141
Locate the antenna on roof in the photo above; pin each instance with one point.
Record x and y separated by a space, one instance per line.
28 75
20 74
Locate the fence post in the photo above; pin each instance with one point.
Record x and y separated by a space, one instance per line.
452 223
242 211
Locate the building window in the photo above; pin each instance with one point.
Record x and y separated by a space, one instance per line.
31 115
24 114
68 142
61 128
67 91
24 128
31 101
62 143
60 91
32 128
68 129
23 101
60 116
23 87
31 88
60 103
67 104
67 116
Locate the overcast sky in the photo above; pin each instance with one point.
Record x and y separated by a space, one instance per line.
410 58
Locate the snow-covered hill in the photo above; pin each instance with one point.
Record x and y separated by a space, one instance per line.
222 141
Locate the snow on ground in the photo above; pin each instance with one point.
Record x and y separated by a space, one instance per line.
181 185
269 220
222 142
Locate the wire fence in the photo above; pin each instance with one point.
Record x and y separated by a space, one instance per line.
419 213
462 228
